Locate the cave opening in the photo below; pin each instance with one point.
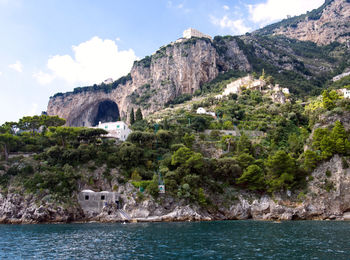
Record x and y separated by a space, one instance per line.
107 111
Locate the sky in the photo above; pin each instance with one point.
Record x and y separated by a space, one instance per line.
50 46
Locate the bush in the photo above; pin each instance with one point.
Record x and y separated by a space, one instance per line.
344 163
152 187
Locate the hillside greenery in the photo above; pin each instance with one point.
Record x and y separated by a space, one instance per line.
263 153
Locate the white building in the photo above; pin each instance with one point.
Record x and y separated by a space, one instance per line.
202 111
346 92
285 91
190 32
118 129
339 77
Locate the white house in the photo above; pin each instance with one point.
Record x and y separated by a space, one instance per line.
118 129
201 110
346 92
285 91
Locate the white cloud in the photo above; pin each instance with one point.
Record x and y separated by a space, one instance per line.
0 73
236 26
273 10
17 66
180 6
226 7
34 109
43 78
93 61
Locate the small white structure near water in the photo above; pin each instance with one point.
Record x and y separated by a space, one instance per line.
119 129
93 202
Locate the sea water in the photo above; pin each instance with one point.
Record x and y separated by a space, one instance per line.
187 240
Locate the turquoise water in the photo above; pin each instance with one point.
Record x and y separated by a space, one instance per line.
201 240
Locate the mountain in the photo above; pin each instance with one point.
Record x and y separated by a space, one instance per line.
325 25
193 66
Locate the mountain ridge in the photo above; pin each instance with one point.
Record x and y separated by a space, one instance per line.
324 25
187 66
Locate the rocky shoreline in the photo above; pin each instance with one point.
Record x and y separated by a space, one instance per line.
319 203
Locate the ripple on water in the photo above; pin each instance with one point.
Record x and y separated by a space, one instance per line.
203 240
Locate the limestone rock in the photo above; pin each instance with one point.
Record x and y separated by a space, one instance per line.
175 69
331 26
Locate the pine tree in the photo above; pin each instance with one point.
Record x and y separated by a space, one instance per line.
139 115
132 117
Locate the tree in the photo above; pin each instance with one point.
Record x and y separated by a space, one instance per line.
252 178
132 117
226 169
52 121
329 99
30 123
310 160
90 135
6 141
189 140
135 176
280 170
153 188
244 145
139 116
63 134
244 160
188 159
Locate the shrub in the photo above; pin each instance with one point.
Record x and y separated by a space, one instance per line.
344 163
152 187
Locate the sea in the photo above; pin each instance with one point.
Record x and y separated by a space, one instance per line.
181 240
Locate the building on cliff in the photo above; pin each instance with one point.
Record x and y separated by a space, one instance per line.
119 129
190 32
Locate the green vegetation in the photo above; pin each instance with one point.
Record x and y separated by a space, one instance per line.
107 88
262 151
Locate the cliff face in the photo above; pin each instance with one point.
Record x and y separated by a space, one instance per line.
176 69
182 67
325 25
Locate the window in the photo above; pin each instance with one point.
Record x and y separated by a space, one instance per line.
86 197
106 126
118 126
102 197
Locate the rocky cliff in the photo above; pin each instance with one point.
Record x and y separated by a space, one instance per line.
176 69
327 24
283 50
327 196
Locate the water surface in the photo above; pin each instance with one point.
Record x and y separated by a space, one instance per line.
200 240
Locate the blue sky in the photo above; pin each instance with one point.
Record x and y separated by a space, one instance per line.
50 46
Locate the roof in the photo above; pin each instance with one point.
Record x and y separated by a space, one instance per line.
87 191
